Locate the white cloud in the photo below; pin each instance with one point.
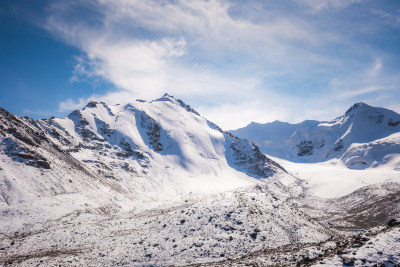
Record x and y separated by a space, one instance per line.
195 36
71 104
231 116
137 66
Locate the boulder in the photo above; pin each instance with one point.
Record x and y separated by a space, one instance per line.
393 222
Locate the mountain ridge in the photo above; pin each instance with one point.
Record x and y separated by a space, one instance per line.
317 141
151 141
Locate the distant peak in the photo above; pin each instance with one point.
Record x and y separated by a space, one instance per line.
279 122
76 113
355 107
91 104
168 95
94 104
170 98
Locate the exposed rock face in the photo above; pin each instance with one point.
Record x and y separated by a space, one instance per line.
104 128
393 123
153 130
21 138
393 223
305 148
339 145
247 156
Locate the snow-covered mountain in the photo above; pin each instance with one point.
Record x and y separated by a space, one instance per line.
155 184
364 136
152 147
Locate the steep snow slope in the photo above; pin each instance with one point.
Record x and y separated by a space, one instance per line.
385 151
313 141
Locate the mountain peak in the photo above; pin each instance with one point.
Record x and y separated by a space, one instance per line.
168 95
170 98
356 106
91 104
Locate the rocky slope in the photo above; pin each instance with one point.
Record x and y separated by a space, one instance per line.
205 229
364 136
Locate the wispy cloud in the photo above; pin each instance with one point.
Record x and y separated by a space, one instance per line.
363 91
71 104
365 81
42 113
317 6
391 17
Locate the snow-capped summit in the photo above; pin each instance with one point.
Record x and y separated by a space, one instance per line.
355 107
368 123
314 141
170 98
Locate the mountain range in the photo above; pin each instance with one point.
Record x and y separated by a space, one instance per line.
363 137
156 184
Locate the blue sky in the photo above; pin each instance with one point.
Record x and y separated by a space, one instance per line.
233 61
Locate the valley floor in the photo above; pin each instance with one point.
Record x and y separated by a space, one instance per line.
332 179
283 222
